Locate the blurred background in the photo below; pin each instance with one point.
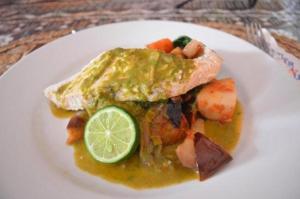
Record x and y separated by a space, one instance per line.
27 24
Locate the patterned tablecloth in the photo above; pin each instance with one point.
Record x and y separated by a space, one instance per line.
25 21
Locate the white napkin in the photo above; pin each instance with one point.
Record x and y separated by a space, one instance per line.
280 55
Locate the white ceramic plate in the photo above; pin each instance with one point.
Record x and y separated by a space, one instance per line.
36 163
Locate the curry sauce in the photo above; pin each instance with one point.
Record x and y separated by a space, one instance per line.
134 174
59 112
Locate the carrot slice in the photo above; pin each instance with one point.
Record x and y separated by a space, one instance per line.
165 45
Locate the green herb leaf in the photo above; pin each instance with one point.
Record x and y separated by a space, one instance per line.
181 41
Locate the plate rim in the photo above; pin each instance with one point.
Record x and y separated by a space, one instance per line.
71 34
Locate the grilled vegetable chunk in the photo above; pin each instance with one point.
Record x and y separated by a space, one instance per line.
186 150
217 100
75 129
174 112
193 49
162 127
209 156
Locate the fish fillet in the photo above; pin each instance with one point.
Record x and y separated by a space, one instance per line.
99 77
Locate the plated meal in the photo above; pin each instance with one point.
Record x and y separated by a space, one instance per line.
151 117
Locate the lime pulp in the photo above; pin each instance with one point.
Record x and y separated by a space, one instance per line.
111 135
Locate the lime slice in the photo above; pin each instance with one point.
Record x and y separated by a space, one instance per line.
111 135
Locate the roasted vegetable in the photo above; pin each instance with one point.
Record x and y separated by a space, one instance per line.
217 100
178 52
75 128
157 132
189 108
210 157
174 112
147 147
181 42
186 150
164 45
193 49
198 126
162 127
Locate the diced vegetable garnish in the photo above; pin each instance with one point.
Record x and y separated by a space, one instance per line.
178 52
186 152
165 45
181 42
162 127
209 156
189 109
111 135
174 112
217 100
198 126
75 129
157 133
193 49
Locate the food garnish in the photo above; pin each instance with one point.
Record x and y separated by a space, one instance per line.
111 135
174 112
164 45
178 52
182 41
193 49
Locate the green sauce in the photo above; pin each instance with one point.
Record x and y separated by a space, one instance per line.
134 174
226 135
128 75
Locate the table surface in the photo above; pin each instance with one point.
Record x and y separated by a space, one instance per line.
27 20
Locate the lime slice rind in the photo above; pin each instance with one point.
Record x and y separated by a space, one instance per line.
111 135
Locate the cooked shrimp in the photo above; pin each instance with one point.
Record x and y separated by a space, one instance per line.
217 100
